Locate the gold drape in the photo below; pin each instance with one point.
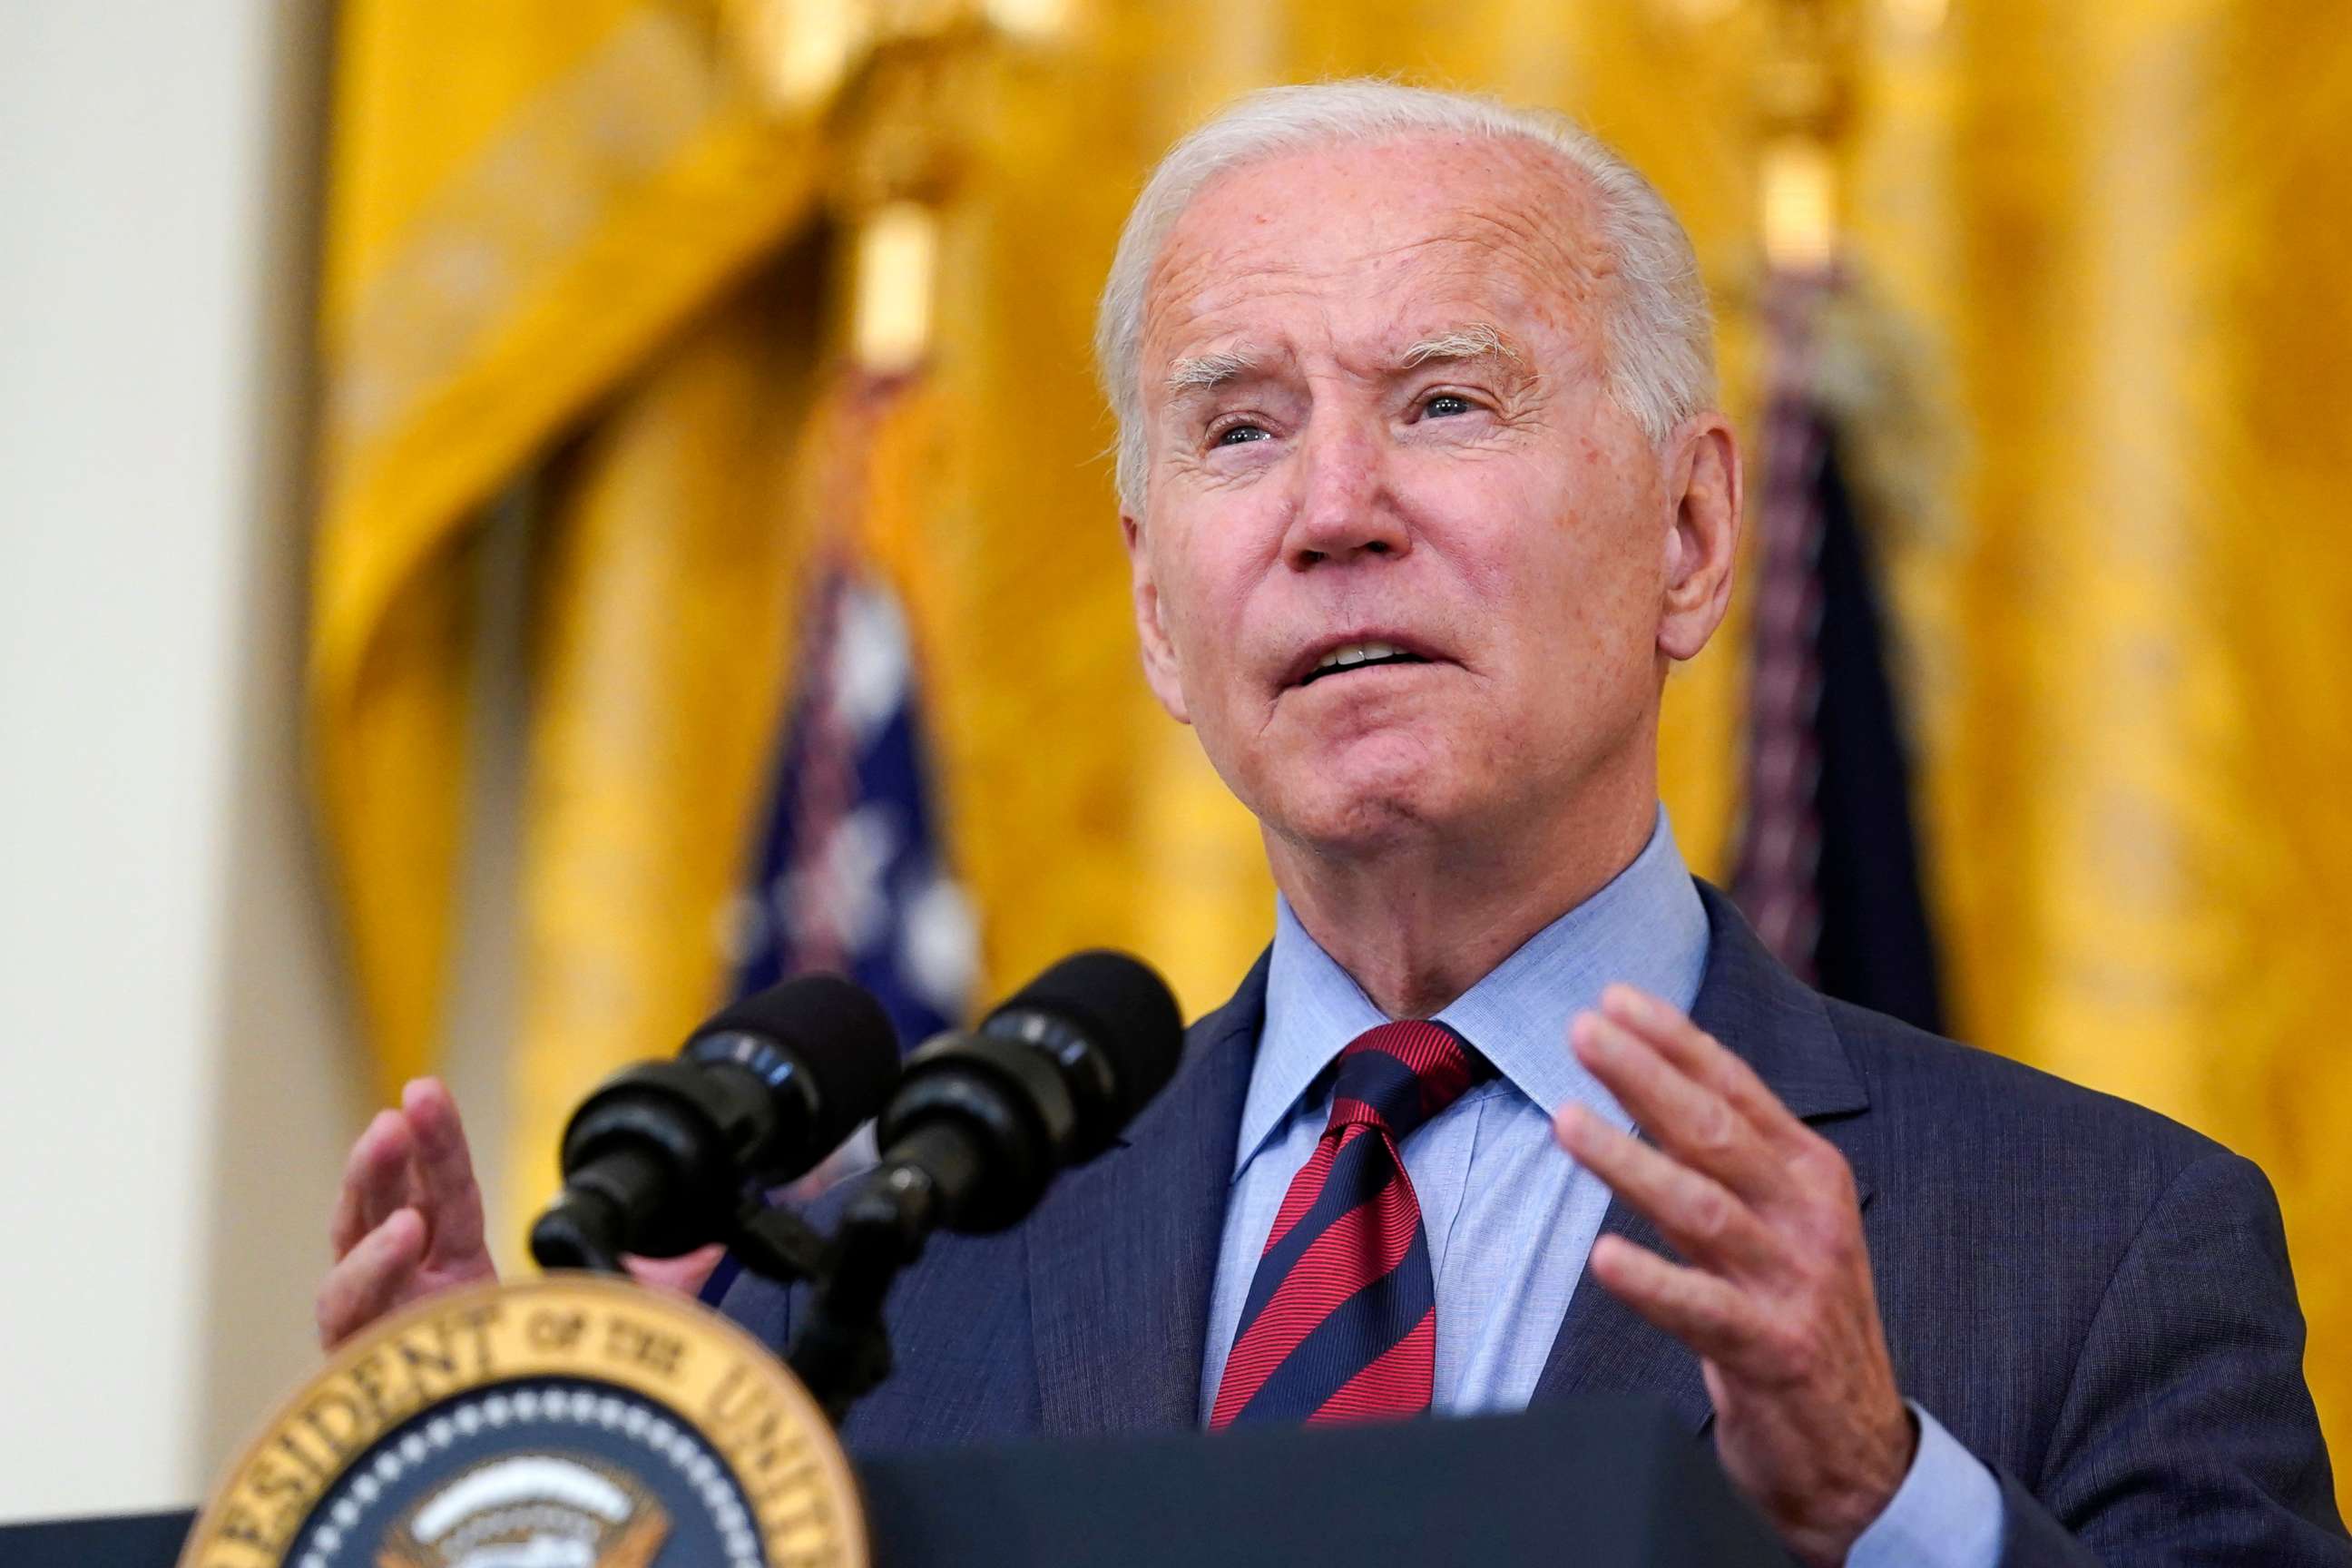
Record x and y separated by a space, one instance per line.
2125 226
673 544
524 198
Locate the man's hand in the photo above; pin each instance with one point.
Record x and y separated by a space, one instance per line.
1774 1293
409 1220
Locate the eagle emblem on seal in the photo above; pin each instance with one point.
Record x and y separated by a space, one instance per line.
529 1511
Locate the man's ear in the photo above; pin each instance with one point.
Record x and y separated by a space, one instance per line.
1702 486
1150 630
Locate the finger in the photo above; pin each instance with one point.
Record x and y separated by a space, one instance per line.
375 1181
1703 1219
443 1170
371 1277
1690 1120
1702 1057
683 1275
1713 1317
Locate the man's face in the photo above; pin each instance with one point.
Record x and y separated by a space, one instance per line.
1375 405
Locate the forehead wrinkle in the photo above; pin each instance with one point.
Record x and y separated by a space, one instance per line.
1191 283
1467 280
1553 250
1177 315
1502 257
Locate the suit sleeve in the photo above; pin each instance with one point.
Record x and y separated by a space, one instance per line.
2187 1433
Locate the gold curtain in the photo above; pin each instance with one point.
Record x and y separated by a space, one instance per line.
2127 229
2107 253
673 542
523 199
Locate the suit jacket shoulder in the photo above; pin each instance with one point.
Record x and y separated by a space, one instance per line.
2094 1298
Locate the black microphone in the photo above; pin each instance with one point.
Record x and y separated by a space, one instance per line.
980 1124
657 1159
982 1121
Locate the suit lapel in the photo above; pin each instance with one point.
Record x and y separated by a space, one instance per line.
1779 1026
1122 1256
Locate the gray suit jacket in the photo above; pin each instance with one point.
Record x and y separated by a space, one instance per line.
2095 1300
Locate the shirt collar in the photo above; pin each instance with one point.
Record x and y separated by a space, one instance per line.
1646 928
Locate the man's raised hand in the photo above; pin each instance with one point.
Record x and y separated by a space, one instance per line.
408 1222
1773 1291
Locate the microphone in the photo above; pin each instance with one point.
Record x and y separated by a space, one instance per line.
980 1123
657 1159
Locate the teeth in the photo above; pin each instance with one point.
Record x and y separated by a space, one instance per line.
1356 653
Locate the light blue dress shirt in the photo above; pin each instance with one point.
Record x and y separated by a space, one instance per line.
1509 1216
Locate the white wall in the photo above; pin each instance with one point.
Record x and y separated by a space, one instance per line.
178 1078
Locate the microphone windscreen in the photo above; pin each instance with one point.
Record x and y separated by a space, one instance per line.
837 1033
1121 1004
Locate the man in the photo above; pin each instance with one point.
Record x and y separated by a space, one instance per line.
1424 492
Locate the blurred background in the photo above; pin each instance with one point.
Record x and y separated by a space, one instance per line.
517 517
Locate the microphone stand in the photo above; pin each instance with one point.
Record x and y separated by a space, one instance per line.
776 1244
842 1351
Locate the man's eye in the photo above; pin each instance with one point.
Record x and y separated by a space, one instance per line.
1445 404
1235 435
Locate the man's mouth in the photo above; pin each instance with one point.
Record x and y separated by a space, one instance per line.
1355 656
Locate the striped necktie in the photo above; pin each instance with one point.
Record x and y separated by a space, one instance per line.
1342 1320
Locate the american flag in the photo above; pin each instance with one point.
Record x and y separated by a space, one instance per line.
850 877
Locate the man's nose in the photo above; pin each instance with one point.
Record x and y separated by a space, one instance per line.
1344 507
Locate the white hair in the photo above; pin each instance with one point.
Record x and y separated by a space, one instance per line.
1659 335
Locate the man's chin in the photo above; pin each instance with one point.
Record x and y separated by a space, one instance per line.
1355 793
1352 823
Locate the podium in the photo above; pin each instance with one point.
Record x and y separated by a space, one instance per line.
1594 1484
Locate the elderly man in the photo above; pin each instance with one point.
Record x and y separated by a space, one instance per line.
1424 492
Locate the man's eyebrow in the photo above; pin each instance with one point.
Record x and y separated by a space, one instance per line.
1202 372
1473 340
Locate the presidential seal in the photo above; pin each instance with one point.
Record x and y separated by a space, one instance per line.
572 1422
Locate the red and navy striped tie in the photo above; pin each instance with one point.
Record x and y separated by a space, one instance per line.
1342 1320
